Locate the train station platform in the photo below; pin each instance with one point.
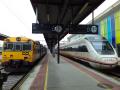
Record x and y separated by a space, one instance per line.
68 75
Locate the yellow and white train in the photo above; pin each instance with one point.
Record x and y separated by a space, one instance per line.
21 51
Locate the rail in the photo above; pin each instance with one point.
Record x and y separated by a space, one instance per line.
3 78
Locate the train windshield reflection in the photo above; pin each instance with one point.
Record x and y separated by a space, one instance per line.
17 46
103 47
26 46
8 46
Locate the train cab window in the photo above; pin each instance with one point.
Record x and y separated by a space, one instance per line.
103 47
26 46
82 49
8 46
18 47
68 48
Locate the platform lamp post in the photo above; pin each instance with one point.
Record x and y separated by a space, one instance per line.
58 53
58 29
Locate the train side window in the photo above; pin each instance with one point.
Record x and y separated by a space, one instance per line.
69 49
79 48
75 48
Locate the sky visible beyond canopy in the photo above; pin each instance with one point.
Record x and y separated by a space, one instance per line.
17 16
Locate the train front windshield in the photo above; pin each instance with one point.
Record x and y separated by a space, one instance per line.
17 46
103 47
0 49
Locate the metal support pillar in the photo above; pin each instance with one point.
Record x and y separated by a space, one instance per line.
58 54
36 15
93 17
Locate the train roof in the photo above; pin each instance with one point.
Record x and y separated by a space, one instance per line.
14 39
95 38
87 37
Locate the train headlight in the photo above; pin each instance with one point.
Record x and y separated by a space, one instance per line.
11 56
27 57
29 41
18 39
109 60
4 56
7 40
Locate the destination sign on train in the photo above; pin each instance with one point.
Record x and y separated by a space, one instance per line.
83 29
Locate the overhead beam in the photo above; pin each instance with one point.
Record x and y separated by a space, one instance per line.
47 12
54 3
88 8
64 9
80 12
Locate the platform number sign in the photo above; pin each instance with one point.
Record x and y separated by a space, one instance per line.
83 29
94 29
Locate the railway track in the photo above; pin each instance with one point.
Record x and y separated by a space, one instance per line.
16 78
11 81
114 73
13 78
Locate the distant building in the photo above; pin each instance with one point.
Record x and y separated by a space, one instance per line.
109 24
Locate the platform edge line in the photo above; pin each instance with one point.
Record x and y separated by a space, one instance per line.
46 78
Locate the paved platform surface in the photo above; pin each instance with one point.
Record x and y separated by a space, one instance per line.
65 76
68 75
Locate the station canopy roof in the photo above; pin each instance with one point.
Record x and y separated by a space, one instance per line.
62 12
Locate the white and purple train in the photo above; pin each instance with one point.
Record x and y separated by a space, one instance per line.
93 49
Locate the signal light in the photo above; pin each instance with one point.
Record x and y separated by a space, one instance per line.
7 40
29 40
